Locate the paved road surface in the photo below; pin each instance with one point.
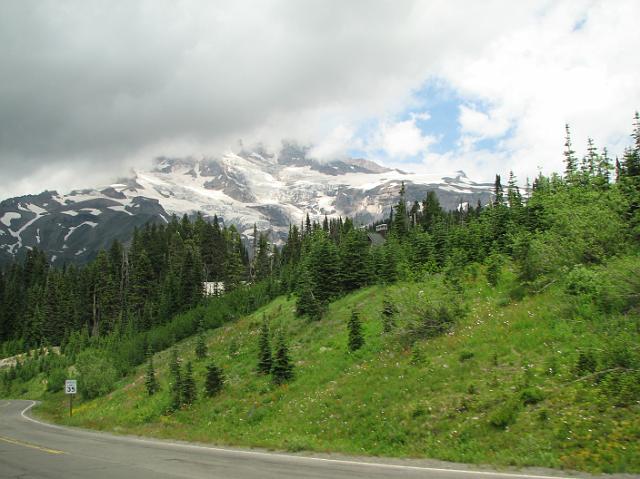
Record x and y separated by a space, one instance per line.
32 449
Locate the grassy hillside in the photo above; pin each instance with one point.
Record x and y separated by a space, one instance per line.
504 387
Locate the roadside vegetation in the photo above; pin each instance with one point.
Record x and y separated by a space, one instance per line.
502 334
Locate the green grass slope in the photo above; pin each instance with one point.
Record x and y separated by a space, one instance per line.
500 388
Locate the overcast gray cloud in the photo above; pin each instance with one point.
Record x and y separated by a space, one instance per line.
91 88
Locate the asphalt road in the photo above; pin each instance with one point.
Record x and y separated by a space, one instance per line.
32 449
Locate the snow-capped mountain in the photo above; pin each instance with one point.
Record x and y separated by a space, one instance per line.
242 188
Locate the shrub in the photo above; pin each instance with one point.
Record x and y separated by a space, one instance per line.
582 281
56 379
434 320
585 364
388 315
505 415
97 375
620 287
494 268
531 396
465 356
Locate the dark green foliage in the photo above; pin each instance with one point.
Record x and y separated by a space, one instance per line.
354 326
282 369
400 223
56 379
494 268
434 319
388 316
355 261
97 375
505 415
214 381
150 380
585 364
308 303
323 268
531 395
262 259
134 289
264 349
466 356
188 384
201 347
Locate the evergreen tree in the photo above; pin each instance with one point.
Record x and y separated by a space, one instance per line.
282 370
188 386
603 170
589 162
234 271
264 348
400 224
214 381
356 339
570 160
190 289
307 225
323 267
424 251
141 284
307 304
355 261
514 197
388 315
498 191
262 259
150 380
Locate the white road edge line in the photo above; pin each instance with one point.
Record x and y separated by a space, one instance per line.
299 458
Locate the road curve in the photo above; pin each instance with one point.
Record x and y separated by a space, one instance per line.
33 449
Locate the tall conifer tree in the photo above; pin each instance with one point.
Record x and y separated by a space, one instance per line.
264 349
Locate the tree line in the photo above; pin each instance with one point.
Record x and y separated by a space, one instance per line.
138 287
123 302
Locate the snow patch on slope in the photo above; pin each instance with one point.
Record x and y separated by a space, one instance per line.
91 211
7 218
73 228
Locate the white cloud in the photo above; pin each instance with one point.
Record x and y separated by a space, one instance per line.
93 84
336 144
480 124
548 73
401 139
97 88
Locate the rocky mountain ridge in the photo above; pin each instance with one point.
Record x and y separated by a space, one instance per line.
251 186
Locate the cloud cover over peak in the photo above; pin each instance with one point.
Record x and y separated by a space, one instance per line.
91 88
